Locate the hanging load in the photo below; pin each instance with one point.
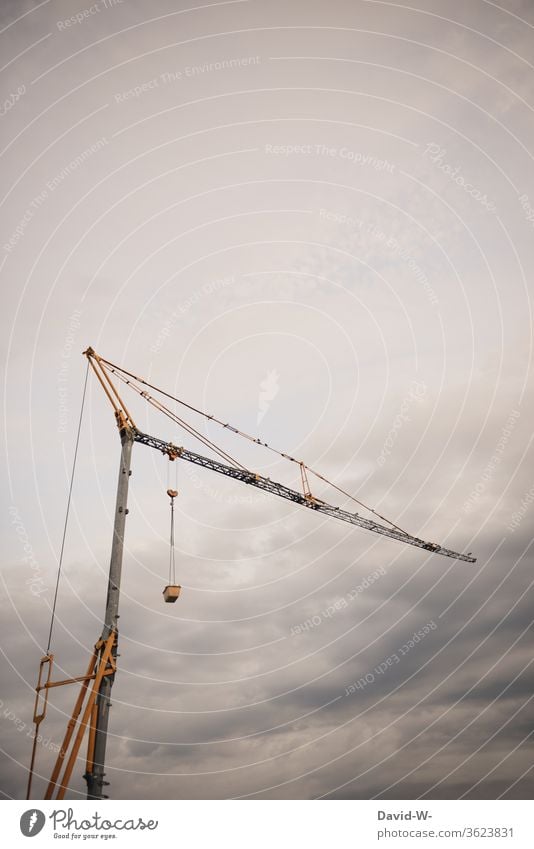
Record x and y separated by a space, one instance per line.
171 593
172 590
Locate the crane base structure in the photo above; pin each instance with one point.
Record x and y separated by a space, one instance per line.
84 715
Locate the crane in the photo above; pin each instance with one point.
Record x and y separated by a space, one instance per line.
91 710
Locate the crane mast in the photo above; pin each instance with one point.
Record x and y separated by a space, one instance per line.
94 774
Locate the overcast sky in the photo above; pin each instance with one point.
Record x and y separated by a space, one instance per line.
314 220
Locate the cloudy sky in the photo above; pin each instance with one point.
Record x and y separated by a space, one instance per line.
314 220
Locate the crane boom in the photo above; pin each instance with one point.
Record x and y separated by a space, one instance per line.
267 485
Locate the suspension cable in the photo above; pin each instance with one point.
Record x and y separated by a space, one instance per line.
120 372
67 513
172 556
181 422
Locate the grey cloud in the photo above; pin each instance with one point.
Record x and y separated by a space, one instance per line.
198 254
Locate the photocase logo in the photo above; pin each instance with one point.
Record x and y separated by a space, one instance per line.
269 389
31 822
